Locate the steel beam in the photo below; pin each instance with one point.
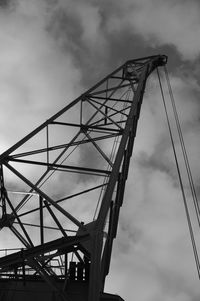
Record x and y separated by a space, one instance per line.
107 112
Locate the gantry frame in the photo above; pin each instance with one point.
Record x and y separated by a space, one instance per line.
106 122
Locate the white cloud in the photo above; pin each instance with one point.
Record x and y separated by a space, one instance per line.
36 76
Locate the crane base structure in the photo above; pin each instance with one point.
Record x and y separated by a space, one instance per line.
61 190
37 289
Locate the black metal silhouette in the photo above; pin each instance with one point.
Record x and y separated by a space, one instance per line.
70 175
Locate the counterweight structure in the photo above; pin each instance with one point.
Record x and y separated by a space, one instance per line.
62 187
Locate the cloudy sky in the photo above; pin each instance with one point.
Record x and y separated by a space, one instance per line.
53 50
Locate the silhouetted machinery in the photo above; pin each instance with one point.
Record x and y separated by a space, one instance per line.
62 187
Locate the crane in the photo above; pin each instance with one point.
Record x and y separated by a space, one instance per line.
69 178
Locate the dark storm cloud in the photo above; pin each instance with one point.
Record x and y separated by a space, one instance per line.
159 23
112 32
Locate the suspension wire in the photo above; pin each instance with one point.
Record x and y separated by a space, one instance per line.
189 173
180 181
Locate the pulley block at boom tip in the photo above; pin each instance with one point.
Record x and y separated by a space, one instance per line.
160 59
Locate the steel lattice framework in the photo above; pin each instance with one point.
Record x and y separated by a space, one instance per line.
69 177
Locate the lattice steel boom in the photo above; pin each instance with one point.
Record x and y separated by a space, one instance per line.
62 187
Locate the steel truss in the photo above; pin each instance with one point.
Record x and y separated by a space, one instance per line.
70 175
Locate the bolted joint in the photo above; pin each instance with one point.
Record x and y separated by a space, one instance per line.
130 73
84 128
7 220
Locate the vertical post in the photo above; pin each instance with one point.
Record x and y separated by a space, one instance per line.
106 113
107 88
66 265
41 220
95 266
23 267
106 108
81 111
2 192
47 135
66 271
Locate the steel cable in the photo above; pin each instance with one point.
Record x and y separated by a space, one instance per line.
189 173
180 181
